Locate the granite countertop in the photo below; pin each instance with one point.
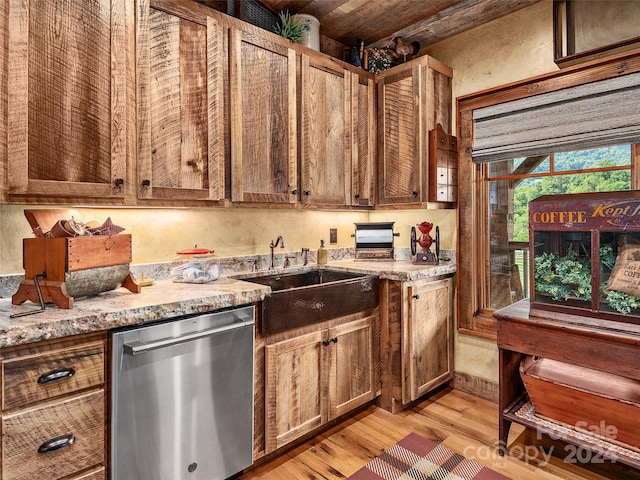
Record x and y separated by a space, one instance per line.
165 299
117 308
403 271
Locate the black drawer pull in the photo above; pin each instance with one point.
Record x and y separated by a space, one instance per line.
57 443
56 375
416 296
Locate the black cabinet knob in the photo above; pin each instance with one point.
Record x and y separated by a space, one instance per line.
118 182
146 182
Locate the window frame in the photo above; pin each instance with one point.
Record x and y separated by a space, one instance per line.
473 315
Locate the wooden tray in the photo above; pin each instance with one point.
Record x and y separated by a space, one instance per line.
599 403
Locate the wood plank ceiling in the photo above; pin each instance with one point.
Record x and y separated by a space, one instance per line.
377 22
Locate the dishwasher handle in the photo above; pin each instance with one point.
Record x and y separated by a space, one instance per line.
137 347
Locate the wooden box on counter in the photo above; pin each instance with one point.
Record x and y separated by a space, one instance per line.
62 268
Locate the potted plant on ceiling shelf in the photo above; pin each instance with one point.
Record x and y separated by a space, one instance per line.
289 28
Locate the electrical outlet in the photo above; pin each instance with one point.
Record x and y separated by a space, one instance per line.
333 235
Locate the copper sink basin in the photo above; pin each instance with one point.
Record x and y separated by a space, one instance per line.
300 299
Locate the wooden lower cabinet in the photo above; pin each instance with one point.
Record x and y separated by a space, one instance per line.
351 363
417 339
54 410
428 353
315 377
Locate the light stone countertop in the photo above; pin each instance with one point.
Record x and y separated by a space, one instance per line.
117 308
400 270
165 299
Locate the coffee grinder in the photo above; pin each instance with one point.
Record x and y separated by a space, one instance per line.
425 255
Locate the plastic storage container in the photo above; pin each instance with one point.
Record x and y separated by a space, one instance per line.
195 265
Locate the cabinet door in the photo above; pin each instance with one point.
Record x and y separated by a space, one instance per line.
429 337
180 109
66 110
401 144
295 388
326 154
363 145
263 119
352 366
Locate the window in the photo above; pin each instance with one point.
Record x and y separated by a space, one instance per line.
491 236
512 184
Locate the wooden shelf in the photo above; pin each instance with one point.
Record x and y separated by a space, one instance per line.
587 342
605 449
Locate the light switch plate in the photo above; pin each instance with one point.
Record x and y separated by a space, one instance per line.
333 235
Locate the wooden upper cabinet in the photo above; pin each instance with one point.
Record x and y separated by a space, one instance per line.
263 118
66 118
412 99
325 143
400 113
363 144
180 103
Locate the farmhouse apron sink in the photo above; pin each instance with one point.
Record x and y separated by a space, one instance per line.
300 299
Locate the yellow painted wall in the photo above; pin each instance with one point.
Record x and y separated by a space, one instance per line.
159 233
512 48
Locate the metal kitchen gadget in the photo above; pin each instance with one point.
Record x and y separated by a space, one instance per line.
425 256
374 241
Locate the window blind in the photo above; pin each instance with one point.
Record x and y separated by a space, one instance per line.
590 115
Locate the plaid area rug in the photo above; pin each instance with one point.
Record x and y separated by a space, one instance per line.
417 458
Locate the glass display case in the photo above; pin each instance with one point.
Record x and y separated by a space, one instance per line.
586 254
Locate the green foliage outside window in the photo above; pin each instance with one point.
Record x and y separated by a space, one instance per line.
606 181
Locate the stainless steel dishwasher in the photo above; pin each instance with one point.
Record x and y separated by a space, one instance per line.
182 398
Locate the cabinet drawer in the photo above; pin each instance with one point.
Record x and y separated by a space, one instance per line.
38 377
94 474
24 433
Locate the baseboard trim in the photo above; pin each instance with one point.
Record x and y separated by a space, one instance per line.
478 386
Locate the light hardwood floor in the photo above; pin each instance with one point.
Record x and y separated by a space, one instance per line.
464 423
